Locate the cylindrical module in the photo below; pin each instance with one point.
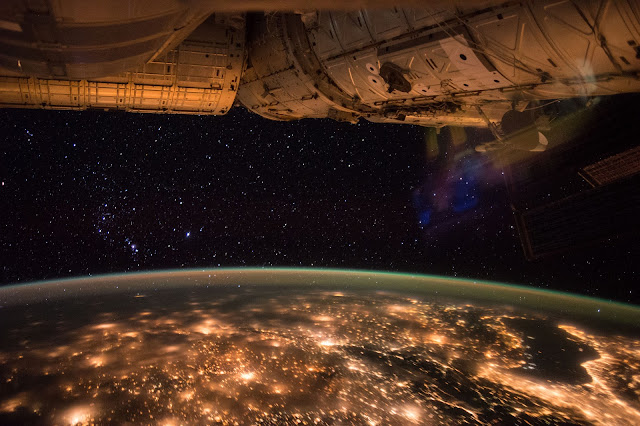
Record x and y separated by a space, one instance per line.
199 74
441 65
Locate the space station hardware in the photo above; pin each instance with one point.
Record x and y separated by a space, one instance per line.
464 63
139 56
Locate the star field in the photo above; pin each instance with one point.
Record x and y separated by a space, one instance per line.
92 192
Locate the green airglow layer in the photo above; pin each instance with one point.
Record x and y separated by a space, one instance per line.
437 287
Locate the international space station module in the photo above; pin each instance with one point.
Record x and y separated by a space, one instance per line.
433 63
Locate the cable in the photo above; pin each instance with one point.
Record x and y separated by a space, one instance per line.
542 106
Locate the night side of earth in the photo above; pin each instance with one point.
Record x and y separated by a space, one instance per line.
312 346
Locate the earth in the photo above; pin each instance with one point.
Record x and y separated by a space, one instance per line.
315 347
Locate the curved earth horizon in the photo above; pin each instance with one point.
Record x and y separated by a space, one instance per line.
311 346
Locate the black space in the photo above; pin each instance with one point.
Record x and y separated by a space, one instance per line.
86 193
